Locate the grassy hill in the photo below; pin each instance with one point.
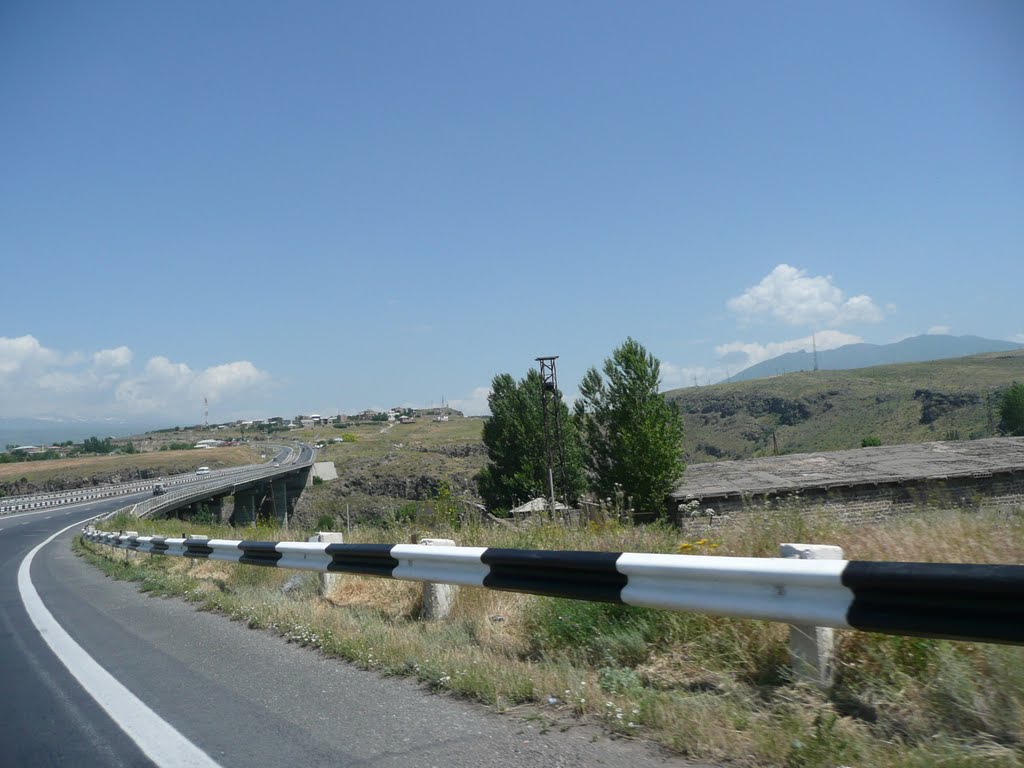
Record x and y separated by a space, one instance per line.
383 467
834 410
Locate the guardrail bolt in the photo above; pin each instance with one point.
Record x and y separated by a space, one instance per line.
812 649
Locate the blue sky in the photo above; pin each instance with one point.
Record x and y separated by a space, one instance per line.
306 207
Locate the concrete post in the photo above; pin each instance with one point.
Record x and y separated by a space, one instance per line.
129 552
437 598
195 537
328 580
812 649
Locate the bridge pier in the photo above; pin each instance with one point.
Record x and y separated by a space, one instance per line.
279 493
246 504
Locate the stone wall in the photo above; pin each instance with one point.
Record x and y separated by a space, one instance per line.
874 503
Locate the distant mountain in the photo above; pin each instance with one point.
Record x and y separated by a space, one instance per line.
39 431
916 349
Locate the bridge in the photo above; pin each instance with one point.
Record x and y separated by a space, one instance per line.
257 491
269 490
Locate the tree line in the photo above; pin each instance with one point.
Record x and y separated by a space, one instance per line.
621 440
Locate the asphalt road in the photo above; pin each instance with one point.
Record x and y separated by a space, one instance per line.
233 696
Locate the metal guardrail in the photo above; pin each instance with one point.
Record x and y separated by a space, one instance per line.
983 603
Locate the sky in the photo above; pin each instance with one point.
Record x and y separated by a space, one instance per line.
314 207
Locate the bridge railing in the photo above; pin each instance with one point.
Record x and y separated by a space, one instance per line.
983 603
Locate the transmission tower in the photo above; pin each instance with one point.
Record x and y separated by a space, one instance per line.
552 423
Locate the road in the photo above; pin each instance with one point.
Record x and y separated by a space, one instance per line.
196 689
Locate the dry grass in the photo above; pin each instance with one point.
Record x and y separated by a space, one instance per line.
709 687
162 462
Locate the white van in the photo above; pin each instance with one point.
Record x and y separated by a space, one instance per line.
203 471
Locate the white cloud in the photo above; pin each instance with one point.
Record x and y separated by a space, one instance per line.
475 404
1018 337
938 329
789 295
743 354
118 357
24 354
36 380
167 385
678 376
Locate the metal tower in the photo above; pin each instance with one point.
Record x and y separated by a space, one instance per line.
549 397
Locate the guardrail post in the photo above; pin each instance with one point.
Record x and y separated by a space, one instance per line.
327 580
128 551
812 649
437 598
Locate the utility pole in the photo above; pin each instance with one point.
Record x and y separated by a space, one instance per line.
549 413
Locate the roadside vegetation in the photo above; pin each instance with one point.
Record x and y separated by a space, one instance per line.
708 687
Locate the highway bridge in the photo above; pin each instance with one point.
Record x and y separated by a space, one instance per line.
270 490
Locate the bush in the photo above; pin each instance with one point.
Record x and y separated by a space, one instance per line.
870 442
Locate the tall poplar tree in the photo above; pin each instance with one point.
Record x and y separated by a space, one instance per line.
632 437
516 469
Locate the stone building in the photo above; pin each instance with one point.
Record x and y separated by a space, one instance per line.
860 485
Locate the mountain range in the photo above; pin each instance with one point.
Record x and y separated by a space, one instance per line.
915 349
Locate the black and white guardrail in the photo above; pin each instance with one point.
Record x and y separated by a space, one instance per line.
983 603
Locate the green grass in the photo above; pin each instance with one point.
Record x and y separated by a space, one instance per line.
712 688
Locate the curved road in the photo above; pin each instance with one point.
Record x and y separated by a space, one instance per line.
233 696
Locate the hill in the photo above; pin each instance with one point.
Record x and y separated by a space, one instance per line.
834 410
387 469
912 350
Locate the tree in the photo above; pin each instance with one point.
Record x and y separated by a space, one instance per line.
632 437
514 437
1011 411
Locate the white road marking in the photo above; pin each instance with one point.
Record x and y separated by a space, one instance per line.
160 741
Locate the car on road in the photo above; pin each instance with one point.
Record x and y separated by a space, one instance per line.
203 471
159 489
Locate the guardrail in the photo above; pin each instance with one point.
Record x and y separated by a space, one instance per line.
983 603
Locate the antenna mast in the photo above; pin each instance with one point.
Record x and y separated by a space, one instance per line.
549 412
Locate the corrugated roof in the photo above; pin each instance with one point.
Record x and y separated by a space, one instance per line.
863 466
